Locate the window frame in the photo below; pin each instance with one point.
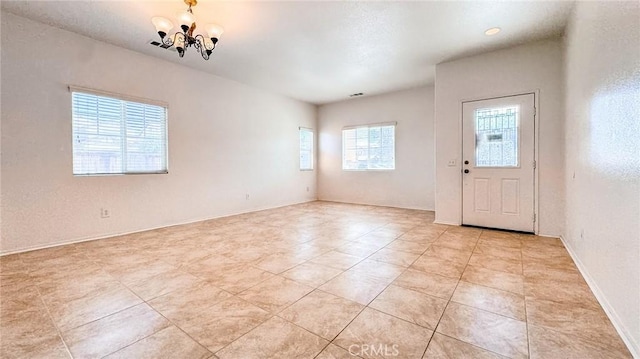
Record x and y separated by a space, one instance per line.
311 151
368 127
126 98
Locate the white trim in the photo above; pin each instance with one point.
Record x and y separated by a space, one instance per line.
370 170
446 223
378 124
376 205
118 96
624 333
536 159
547 235
80 240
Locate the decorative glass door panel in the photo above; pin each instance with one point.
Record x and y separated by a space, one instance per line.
497 134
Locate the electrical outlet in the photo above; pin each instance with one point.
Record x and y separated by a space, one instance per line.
105 213
451 163
307 188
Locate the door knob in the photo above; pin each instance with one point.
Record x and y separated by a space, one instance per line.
466 171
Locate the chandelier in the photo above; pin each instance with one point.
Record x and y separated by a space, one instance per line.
184 39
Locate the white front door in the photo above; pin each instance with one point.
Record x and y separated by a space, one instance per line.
498 163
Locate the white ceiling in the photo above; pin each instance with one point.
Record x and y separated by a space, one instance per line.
317 52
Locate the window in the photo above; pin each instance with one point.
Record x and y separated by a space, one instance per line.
369 147
497 137
116 136
306 149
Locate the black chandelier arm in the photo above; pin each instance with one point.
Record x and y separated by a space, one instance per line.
168 40
200 44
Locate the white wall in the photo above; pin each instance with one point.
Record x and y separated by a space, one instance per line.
411 184
0 134
536 66
225 140
602 156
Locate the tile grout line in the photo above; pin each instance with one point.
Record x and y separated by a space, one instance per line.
452 293
474 345
46 308
524 299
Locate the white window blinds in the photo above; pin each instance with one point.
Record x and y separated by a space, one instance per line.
306 149
115 136
369 147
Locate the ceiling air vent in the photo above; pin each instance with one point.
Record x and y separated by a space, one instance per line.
356 94
161 45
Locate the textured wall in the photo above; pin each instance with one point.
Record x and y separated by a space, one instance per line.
603 156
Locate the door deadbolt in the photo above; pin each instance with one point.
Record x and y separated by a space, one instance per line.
466 162
466 171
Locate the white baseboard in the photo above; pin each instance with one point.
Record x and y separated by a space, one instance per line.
116 234
624 333
437 221
375 204
548 235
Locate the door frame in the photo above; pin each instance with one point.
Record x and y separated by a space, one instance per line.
536 135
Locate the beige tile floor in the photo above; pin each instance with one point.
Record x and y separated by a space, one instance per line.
321 280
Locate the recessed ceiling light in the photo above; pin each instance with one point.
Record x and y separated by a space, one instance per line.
492 31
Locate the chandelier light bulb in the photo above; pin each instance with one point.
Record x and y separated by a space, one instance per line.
185 19
163 26
214 31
